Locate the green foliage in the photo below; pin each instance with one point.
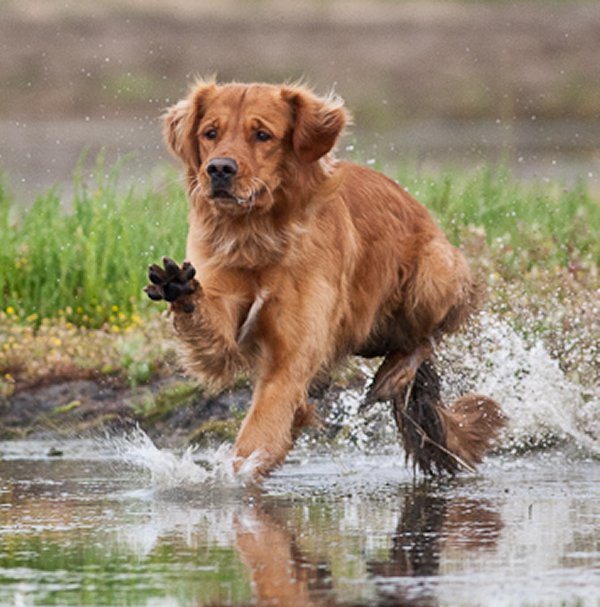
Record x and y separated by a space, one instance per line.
134 359
216 431
88 263
167 400
525 224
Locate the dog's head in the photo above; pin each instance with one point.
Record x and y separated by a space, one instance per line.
240 141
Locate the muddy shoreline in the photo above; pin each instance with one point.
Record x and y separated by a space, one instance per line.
174 411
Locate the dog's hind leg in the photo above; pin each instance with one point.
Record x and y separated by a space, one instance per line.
439 439
306 416
396 372
436 438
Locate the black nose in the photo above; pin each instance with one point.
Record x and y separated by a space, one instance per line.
222 170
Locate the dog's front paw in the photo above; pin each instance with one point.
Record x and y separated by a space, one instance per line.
173 283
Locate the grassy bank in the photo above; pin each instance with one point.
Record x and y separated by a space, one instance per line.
87 265
71 280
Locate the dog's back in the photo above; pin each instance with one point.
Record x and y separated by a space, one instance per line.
408 283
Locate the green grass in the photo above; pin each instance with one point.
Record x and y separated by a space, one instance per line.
525 224
88 263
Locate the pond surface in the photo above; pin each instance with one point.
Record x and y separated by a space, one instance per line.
119 522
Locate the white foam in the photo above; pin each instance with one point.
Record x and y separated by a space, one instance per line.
182 471
492 358
542 403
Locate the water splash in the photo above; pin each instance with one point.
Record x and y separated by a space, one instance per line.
192 469
543 404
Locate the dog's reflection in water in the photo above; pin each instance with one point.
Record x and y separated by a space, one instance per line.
285 572
282 574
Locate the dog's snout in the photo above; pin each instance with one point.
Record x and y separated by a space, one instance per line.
222 169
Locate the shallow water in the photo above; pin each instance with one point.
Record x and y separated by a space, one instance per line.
344 522
119 522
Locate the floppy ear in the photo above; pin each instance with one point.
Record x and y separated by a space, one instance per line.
174 121
181 124
317 122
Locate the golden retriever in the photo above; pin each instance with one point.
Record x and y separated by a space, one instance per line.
296 260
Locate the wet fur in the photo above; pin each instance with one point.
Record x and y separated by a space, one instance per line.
328 259
439 438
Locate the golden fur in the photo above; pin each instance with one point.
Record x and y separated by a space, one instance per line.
304 260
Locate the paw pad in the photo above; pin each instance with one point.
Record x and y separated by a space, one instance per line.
171 282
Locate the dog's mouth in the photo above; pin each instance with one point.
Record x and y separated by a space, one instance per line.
229 198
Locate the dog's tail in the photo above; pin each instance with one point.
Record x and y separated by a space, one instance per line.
444 439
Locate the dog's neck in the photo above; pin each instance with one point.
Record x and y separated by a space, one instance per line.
257 239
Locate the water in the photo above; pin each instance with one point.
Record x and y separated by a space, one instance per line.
335 528
118 521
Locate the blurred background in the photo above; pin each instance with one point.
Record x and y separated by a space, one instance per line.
430 83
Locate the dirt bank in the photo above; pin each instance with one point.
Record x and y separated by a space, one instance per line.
174 411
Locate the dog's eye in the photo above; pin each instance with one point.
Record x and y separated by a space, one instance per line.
210 134
263 135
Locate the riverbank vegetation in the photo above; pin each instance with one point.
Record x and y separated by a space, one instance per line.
72 271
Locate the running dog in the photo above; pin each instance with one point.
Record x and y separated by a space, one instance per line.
296 259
